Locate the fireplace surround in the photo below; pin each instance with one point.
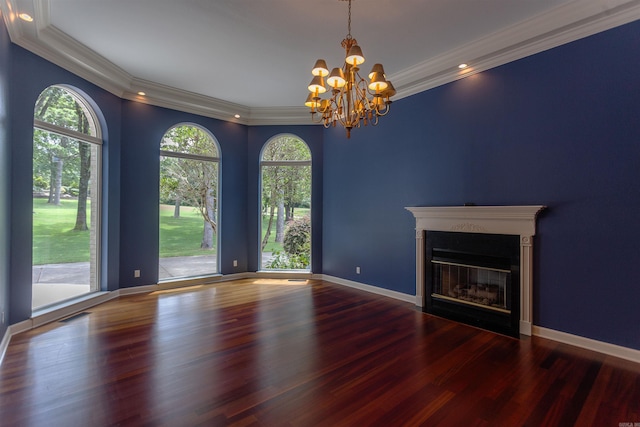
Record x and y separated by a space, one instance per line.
518 221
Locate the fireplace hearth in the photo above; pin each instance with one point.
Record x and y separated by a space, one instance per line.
481 271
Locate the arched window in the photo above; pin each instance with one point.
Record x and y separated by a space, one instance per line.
285 213
67 148
189 203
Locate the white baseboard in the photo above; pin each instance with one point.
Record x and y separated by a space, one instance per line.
42 317
137 290
587 343
526 328
230 277
4 344
282 275
369 288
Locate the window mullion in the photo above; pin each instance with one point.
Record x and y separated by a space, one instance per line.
59 130
189 156
286 163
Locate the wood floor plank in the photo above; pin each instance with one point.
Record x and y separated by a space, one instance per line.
289 353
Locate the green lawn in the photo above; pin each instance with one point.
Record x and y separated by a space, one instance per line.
271 246
181 236
54 240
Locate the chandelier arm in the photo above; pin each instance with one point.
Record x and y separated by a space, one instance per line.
384 112
350 102
313 118
339 114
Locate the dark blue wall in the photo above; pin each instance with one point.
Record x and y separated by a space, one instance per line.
258 137
561 128
5 176
30 75
143 127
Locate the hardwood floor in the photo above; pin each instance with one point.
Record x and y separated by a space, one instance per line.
297 353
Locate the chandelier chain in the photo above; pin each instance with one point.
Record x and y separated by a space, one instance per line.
349 22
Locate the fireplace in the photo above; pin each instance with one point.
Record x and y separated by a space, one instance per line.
474 278
474 264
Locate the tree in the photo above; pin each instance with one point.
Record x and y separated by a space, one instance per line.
52 151
297 189
284 187
84 152
190 176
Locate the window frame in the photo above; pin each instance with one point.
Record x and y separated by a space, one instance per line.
298 163
95 283
199 157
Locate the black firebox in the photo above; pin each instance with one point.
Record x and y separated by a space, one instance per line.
474 278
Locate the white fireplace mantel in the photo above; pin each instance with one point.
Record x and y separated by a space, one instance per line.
514 220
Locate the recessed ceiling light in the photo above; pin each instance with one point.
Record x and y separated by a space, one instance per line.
237 116
141 93
25 17
463 66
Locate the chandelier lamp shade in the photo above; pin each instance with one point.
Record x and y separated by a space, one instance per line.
351 100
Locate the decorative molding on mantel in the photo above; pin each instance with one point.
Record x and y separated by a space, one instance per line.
565 23
520 220
514 220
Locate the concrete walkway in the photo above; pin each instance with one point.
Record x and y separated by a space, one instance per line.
197 265
53 283
77 273
57 282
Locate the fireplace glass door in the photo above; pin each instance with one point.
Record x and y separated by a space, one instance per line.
480 286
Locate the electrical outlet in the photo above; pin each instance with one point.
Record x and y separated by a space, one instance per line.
357 270
136 273
235 262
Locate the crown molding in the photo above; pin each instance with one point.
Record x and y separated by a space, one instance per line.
280 116
190 102
57 47
563 24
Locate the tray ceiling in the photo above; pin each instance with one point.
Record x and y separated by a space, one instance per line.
253 58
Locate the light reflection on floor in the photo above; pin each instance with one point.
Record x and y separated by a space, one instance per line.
283 282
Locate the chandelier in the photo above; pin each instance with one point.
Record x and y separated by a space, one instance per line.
352 100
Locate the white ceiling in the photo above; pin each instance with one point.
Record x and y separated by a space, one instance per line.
253 57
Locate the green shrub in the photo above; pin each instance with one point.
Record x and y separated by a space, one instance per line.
283 261
297 236
40 184
297 246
